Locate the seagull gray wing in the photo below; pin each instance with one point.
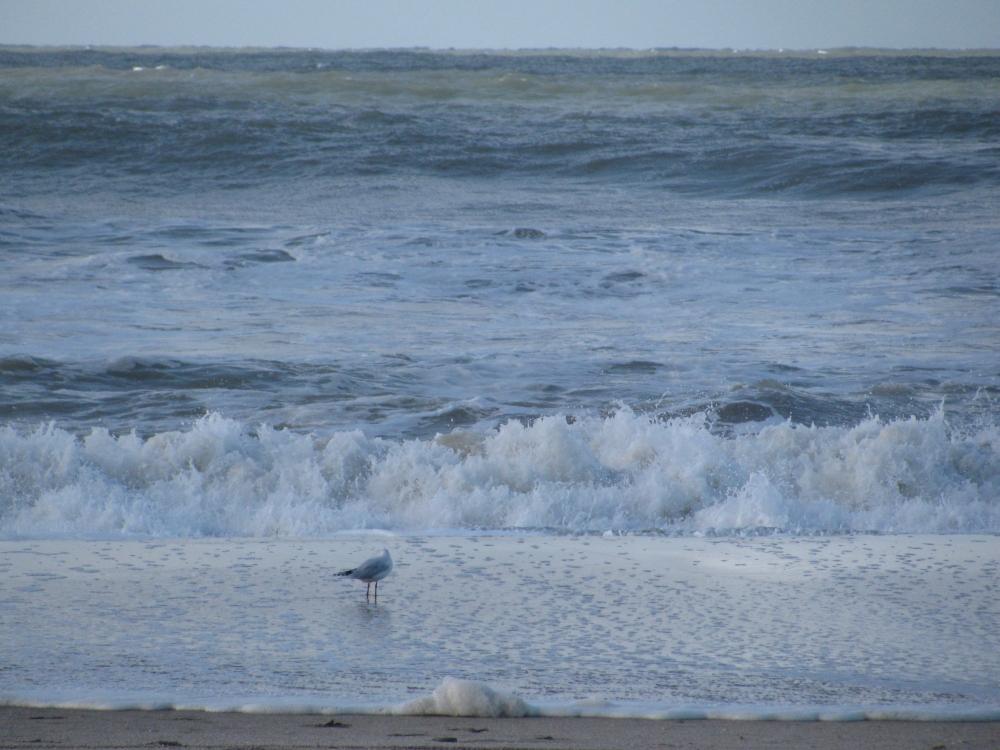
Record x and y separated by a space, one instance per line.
372 569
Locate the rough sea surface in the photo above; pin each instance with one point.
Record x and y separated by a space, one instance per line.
248 293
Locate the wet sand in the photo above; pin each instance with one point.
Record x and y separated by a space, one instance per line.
61 728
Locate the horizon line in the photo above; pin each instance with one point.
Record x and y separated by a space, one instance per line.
841 51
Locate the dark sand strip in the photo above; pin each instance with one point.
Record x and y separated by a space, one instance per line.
52 728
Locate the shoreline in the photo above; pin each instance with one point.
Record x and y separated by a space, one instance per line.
321 706
58 728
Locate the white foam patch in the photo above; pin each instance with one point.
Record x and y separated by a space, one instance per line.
112 701
471 698
768 713
455 697
624 472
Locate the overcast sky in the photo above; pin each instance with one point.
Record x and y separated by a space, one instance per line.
511 24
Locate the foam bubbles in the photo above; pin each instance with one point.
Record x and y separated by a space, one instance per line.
454 697
625 472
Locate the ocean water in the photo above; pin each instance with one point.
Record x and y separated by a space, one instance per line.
296 294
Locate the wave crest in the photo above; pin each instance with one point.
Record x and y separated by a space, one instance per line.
625 472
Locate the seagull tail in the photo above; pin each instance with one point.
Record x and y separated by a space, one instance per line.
346 572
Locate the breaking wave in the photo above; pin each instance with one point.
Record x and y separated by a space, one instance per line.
625 472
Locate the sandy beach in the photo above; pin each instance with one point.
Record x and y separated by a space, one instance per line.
49 728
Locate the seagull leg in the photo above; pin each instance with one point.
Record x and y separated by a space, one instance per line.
376 590
368 591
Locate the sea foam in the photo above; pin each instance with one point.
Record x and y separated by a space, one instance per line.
455 697
625 472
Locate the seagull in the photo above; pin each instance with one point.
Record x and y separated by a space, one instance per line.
372 570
